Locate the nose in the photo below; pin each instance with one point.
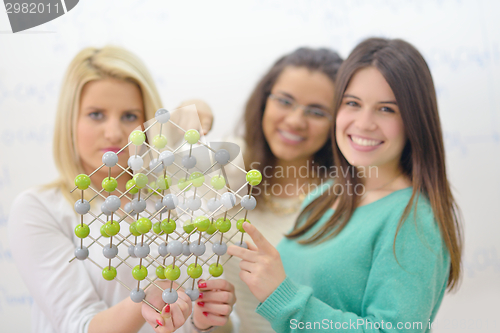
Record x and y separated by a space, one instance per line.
113 131
365 120
296 119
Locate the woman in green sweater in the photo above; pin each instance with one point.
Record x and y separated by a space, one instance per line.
376 248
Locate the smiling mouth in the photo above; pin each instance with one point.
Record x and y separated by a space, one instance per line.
290 136
364 142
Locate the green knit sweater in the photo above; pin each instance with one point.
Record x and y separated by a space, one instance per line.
353 282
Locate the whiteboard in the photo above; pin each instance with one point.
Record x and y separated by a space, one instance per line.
217 50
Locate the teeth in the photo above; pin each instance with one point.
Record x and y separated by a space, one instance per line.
291 136
364 142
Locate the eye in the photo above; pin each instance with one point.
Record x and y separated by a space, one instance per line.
130 117
96 115
352 103
387 109
316 113
285 101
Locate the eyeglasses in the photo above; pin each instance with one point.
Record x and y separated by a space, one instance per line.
310 112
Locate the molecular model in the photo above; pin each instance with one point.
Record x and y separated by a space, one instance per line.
175 207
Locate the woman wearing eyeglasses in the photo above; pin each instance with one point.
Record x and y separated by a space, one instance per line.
287 138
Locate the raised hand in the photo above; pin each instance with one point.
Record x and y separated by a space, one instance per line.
261 266
215 303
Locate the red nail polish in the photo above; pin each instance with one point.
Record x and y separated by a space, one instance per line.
202 285
159 322
167 308
205 314
201 303
201 295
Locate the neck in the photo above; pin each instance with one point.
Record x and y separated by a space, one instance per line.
291 176
380 176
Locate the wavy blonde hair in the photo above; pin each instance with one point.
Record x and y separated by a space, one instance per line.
92 64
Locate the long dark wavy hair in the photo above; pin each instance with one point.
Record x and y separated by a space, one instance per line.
422 160
257 149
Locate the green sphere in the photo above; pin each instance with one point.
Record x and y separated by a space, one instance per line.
140 272
224 225
133 229
103 231
202 223
143 225
140 180
254 177
82 182
197 179
112 228
168 226
215 270
82 231
164 182
160 272
211 229
109 184
137 137
129 185
194 271
160 141
218 182
192 136
172 273
152 185
188 227
182 183
109 273
239 224
157 228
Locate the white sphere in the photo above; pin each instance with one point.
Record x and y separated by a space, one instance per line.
194 203
170 201
213 204
167 158
228 200
135 162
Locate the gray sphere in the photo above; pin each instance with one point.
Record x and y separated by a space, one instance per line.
194 294
81 253
219 249
110 252
163 250
112 203
131 251
167 158
197 249
194 203
135 162
162 116
137 295
174 248
156 166
228 200
169 297
128 208
185 249
222 156
159 205
170 201
213 204
110 158
243 245
138 205
82 207
248 202
141 251
188 161
105 209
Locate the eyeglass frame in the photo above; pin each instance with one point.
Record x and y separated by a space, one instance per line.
295 105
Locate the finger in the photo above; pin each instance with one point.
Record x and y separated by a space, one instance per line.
215 284
247 266
242 253
260 241
206 124
215 320
215 309
252 246
221 297
165 321
178 318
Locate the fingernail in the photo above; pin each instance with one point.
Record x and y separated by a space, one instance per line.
201 303
201 295
167 308
205 314
202 285
159 322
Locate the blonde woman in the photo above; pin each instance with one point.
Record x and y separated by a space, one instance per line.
106 94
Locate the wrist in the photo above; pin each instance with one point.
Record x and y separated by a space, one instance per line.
201 328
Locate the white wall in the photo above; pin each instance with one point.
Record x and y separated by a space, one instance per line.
217 50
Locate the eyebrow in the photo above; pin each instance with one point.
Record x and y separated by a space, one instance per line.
319 106
381 102
95 108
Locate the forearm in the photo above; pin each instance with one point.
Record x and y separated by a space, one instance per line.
124 317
